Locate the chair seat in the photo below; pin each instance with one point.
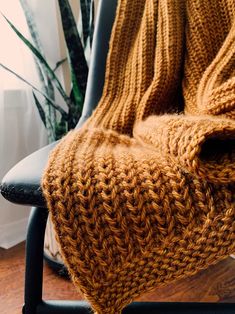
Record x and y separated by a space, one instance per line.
21 184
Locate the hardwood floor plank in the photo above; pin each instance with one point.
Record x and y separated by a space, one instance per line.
216 284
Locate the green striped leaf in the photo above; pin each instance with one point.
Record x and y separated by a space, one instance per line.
85 6
59 63
31 25
74 45
40 110
92 22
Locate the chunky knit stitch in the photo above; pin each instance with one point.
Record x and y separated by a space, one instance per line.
144 193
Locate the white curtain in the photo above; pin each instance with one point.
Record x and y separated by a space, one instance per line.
21 130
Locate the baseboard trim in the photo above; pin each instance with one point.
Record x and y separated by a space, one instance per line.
13 233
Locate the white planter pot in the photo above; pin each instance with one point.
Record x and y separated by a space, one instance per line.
51 248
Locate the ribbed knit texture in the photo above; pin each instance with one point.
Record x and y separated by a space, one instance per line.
144 193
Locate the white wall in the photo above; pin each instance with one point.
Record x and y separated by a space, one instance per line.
21 134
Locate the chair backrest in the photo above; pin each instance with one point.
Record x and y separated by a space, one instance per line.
104 22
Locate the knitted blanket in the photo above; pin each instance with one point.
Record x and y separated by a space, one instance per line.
144 192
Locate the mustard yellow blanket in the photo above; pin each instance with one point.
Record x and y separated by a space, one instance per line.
144 193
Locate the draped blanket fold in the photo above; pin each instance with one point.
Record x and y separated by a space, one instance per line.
144 193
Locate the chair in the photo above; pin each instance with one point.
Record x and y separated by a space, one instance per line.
21 185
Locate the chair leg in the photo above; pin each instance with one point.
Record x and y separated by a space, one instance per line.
34 259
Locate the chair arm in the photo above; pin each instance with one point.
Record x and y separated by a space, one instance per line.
21 185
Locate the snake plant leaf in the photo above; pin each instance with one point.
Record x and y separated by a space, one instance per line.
85 6
59 63
50 72
46 119
51 101
74 45
78 99
92 22
51 94
40 110
75 111
32 26
42 72
77 94
60 129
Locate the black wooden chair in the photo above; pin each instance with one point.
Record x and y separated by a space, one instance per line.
22 186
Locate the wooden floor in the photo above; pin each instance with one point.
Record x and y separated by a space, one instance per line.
216 284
